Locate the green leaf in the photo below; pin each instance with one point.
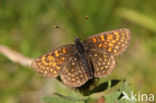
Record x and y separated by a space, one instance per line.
113 97
126 88
104 86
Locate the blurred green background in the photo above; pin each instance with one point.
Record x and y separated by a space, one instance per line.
27 26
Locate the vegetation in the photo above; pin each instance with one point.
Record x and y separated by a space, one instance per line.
27 26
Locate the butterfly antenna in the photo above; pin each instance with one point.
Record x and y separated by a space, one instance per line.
83 22
77 35
58 27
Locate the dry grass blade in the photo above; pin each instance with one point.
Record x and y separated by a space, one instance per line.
15 56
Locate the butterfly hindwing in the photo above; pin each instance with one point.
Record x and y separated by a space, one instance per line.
73 74
103 63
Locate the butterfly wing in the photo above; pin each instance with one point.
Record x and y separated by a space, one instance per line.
103 47
51 63
114 42
73 74
103 63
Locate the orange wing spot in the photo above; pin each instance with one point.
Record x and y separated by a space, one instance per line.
100 45
46 63
105 56
110 49
123 45
102 38
122 40
95 55
116 47
50 63
117 38
123 37
56 53
123 34
58 68
81 75
116 33
105 60
126 42
73 63
54 64
94 40
105 42
45 72
54 72
41 66
64 50
106 66
119 43
43 62
38 63
109 36
69 78
62 58
108 62
105 46
100 59
113 41
41 71
115 51
72 69
60 61
69 73
110 44
43 58
73 79
50 57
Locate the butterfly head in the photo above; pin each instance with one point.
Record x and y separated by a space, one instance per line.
77 40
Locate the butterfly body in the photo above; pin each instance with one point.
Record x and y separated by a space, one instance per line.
92 58
84 58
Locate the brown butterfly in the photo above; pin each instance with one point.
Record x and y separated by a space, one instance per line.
72 62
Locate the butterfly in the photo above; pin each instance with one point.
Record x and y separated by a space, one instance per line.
91 58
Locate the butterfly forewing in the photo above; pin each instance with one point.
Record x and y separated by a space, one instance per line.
73 74
113 42
103 63
50 64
